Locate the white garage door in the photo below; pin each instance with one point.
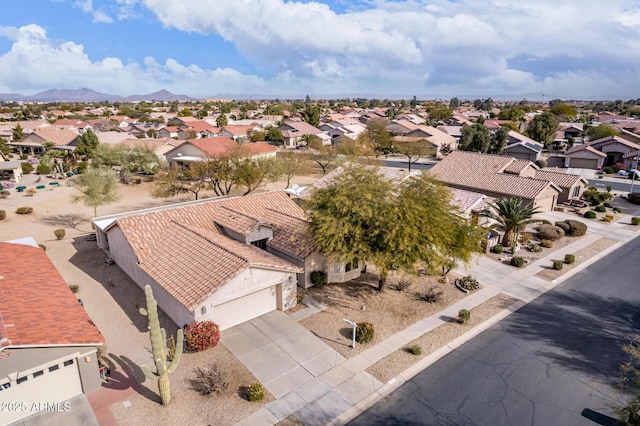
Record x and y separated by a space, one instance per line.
245 308
55 384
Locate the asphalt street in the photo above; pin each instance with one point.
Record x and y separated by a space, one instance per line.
621 185
554 362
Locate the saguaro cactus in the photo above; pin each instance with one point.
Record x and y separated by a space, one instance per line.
158 338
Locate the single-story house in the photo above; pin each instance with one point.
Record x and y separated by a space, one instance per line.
47 340
34 143
195 150
600 153
491 175
521 147
437 138
294 129
227 259
11 170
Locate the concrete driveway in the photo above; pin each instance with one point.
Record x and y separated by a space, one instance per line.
280 352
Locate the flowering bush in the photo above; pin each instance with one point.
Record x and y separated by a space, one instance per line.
202 335
7 185
364 332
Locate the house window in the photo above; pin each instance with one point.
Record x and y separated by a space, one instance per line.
351 265
576 192
38 374
5 386
53 368
337 268
261 244
21 380
68 363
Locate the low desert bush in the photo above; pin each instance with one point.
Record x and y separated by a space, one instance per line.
4 193
546 243
517 261
569 258
600 209
557 265
300 297
43 247
607 171
590 214
534 248
208 381
463 316
26 167
416 349
74 288
469 283
578 229
3 214
318 278
607 205
549 232
24 210
59 233
542 163
43 169
403 284
255 392
608 218
634 197
525 237
364 332
635 220
431 295
617 210
498 249
202 335
564 225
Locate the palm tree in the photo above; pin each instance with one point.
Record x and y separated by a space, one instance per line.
511 215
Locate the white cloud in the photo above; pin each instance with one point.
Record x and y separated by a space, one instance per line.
86 6
100 16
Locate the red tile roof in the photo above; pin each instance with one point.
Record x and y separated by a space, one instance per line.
37 308
214 146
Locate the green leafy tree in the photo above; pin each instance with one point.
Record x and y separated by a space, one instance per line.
87 143
514 114
255 173
292 163
185 112
414 150
221 121
511 215
377 136
274 135
257 135
391 226
17 133
454 103
96 187
439 112
562 110
601 131
475 138
322 155
171 182
543 127
499 140
311 114
4 147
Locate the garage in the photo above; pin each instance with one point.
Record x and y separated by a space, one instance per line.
56 383
583 163
246 308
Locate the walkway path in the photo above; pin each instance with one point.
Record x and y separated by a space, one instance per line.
336 390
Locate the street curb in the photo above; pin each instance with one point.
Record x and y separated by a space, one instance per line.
393 384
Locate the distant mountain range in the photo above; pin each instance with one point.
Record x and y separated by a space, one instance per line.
88 95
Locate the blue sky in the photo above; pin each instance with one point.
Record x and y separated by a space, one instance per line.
508 49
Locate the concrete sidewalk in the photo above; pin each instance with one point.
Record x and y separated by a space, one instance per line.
338 393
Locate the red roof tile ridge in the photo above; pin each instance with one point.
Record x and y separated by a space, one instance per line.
238 212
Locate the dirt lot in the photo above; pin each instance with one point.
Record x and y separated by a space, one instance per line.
581 255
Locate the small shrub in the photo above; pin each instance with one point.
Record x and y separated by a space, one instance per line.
300 297
43 169
82 167
517 261
534 248
634 197
74 288
318 278
569 258
4 193
607 205
3 214
208 381
43 247
59 233
24 210
202 335
635 220
431 295
546 243
564 225
255 392
525 237
557 265
364 332
24 156
578 229
463 316
608 218
542 163
26 167
549 232
469 283
601 209
416 349
31 192
498 249
608 171
590 214
617 210
403 284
